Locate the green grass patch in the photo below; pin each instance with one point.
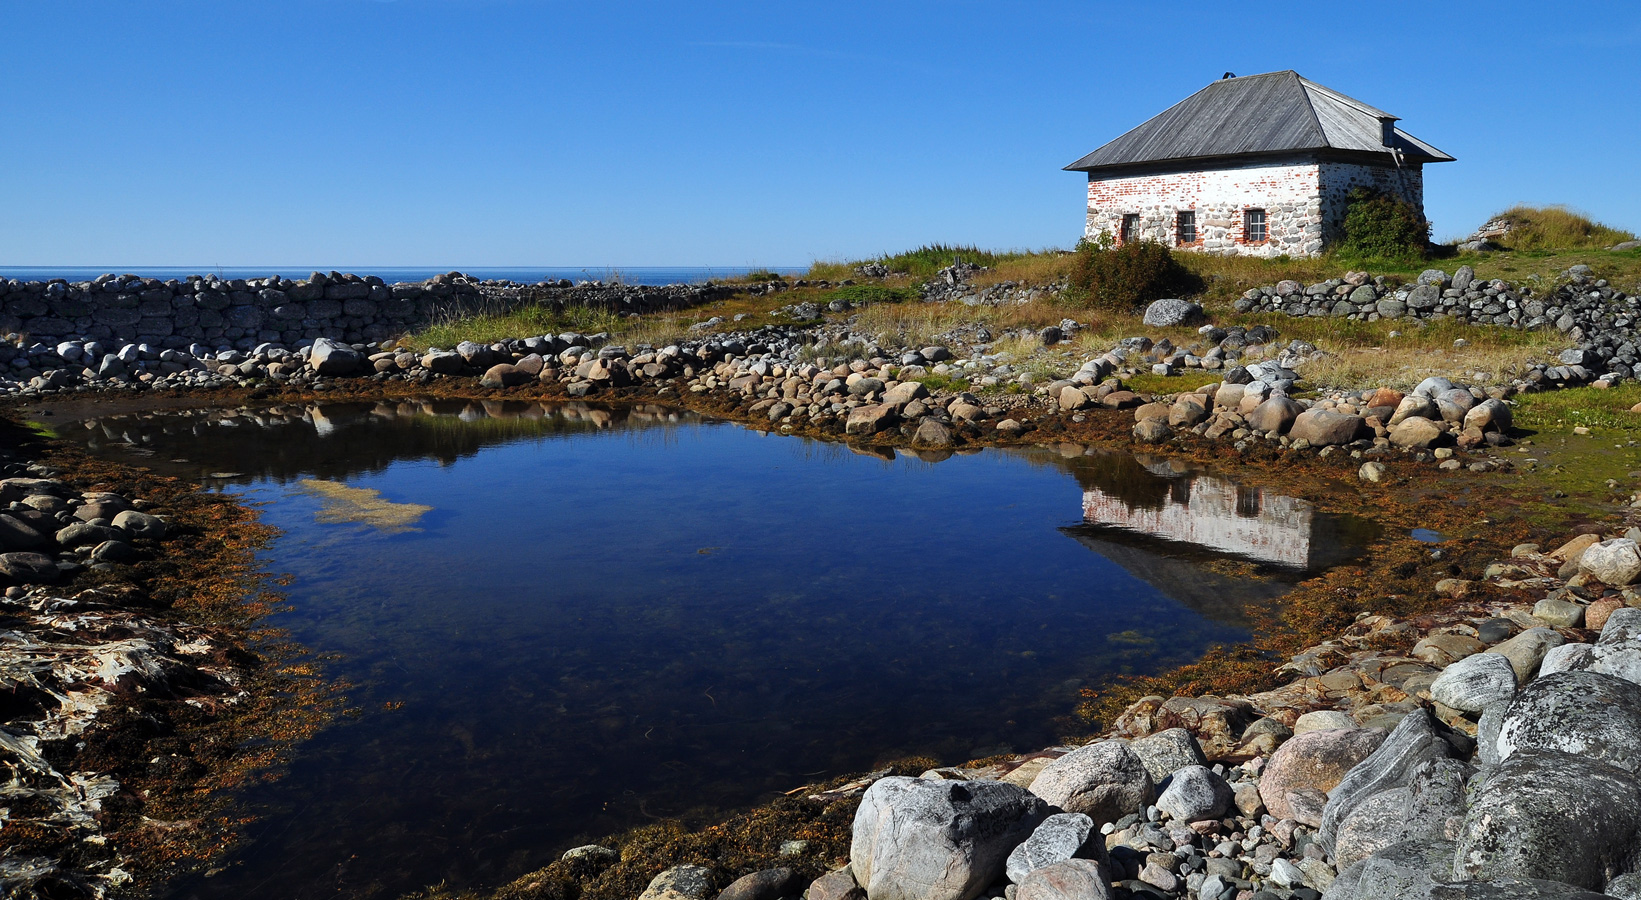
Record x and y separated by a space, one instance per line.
1593 408
870 293
1188 380
925 261
936 382
42 429
1557 228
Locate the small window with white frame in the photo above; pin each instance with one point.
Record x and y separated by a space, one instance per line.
1130 228
1185 227
1253 226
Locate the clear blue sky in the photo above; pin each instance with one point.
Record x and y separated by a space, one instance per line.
488 132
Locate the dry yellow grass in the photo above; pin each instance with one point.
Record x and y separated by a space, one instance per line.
1402 367
916 324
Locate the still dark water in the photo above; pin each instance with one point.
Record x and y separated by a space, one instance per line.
563 620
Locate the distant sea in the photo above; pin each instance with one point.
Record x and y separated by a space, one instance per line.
628 275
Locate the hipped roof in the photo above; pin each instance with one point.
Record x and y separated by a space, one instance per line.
1278 112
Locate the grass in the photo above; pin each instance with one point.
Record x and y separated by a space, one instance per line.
920 324
1606 410
1557 228
525 321
923 262
871 293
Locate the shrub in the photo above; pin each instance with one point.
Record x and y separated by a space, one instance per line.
1381 226
1121 279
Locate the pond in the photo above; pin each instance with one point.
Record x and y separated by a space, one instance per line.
561 620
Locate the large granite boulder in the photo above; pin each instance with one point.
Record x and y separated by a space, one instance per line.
1168 751
917 839
1587 714
1550 815
1195 794
1421 870
1326 427
1314 761
1413 742
332 358
1276 414
1170 313
1104 781
1616 562
1474 683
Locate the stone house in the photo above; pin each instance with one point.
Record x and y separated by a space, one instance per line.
1258 166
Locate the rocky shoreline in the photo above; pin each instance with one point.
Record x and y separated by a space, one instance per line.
1220 797
136 685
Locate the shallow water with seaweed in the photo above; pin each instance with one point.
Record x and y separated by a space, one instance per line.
561 620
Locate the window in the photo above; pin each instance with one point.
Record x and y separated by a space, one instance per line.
1185 226
1130 228
1253 226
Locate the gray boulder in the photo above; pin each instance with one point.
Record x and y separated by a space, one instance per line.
1325 427
1104 780
1168 313
1414 741
938 840
15 534
1276 414
1168 751
443 362
24 567
332 358
1421 870
1062 836
1194 794
1432 386
140 525
1490 415
680 883
1430 807
1586 714
1551 815
1474 683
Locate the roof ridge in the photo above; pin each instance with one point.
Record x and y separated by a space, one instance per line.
1321 130
1346 99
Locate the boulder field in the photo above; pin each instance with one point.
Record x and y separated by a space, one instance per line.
1494 756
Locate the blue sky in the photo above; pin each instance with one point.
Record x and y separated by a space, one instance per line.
518 133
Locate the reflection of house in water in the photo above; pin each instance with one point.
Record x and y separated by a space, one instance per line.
1168 527
1219 515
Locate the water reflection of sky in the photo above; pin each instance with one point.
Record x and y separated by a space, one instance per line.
608 616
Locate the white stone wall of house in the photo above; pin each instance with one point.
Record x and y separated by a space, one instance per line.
1290 195
1339 179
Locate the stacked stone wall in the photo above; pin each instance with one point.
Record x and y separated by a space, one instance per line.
239 313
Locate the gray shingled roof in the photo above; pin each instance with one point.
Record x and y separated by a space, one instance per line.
1258 114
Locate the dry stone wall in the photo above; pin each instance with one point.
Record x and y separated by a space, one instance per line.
241 314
